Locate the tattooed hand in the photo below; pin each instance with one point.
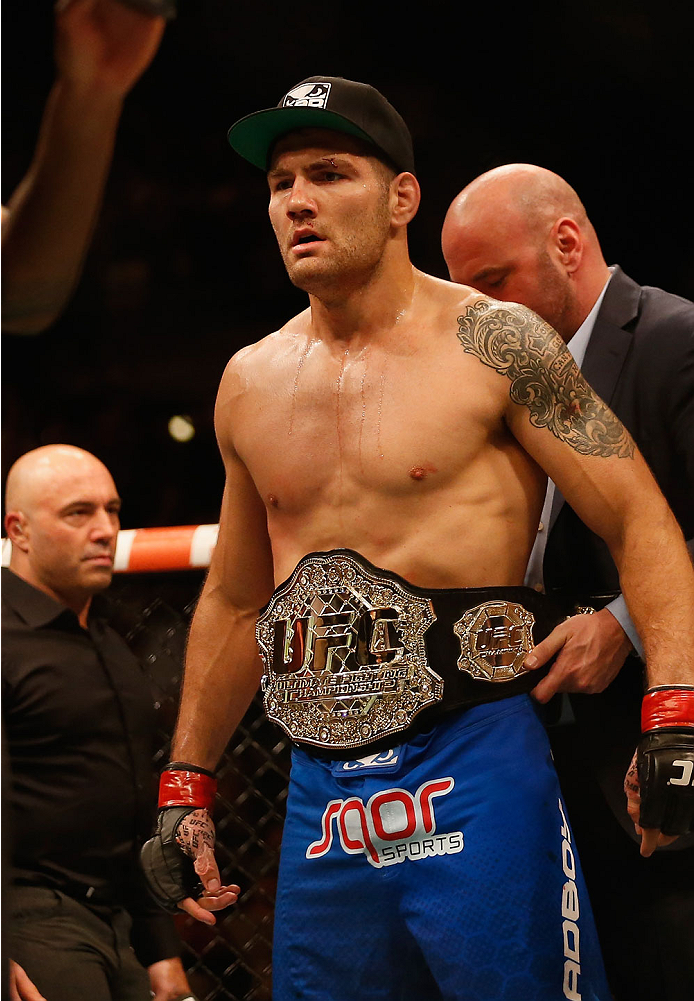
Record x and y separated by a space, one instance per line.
196 837
516 343
178 855
195 833
651 838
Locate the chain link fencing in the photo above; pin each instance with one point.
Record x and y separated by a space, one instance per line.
232 960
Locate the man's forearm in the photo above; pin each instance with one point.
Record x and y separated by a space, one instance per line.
657 580
53 212
223 670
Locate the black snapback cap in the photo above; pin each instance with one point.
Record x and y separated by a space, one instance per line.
326 102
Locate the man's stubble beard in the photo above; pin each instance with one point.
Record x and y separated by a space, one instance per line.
351 264
558 299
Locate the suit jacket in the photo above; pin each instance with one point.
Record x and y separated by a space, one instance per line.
640 360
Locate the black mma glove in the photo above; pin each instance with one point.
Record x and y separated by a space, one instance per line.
665 759
184 828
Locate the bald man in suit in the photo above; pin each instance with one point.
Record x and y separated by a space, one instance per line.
520 233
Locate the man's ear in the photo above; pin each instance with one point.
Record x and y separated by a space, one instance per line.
16 526
406 195
567 242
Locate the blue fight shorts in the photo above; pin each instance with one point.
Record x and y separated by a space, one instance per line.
441 869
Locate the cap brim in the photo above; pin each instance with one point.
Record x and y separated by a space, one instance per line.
253 136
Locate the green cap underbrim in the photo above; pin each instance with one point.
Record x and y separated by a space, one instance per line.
254 136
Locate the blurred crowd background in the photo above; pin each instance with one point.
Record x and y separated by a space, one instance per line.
183 269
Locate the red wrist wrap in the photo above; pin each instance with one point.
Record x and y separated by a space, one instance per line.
667 707
181 788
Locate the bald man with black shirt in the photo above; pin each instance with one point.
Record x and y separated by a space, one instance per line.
79 727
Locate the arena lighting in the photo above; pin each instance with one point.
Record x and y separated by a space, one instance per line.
181 427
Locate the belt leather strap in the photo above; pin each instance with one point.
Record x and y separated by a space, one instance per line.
355 655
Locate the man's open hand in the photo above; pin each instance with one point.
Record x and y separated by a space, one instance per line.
195 836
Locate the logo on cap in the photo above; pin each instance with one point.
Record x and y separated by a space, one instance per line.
308 95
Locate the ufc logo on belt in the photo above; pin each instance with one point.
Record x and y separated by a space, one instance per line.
335 640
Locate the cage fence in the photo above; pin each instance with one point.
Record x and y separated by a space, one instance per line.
230 961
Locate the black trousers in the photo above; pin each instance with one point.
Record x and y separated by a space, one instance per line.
70 953
644 907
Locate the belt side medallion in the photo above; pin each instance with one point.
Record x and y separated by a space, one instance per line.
495 638
344 654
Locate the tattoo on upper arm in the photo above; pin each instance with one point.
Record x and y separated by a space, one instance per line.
544 377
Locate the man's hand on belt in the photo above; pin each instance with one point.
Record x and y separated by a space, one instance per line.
591 650
178 861
659 784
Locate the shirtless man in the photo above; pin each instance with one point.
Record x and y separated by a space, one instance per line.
404 423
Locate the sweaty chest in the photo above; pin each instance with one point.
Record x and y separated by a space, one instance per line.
390 428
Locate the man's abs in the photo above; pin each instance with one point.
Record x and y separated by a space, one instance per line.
443 537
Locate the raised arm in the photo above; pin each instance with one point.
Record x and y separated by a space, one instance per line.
102 47
222 673
579 442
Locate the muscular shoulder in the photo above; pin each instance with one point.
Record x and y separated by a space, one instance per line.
250 373
544 380
482 320
253 363
506 337
476 318
509 337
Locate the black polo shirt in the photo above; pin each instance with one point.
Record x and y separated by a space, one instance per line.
79 725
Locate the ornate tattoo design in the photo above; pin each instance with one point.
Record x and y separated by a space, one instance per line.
544 378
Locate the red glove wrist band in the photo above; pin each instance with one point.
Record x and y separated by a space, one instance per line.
181 788
667 707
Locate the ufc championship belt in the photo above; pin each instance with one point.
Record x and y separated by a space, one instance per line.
355 654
